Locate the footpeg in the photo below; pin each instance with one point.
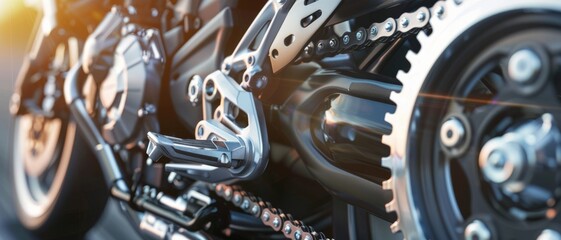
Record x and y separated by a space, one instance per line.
224 154
231 139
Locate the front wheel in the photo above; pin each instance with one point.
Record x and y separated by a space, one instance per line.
58 186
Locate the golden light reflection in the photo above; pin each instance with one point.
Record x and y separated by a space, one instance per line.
484 101
8 8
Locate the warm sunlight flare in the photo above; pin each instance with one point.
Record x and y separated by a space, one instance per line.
7 7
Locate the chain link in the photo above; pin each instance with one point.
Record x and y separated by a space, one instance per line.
331 44
270 216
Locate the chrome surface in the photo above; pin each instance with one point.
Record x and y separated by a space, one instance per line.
452 20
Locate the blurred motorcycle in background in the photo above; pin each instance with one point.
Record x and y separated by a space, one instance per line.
298 119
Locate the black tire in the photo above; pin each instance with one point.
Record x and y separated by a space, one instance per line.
78 191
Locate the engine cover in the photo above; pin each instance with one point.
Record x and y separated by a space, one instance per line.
130 92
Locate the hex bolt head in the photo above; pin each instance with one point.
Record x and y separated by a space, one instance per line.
477 230
524 65
261 82
307 50
452 133
346 39
332 43
195 89
359 35
308 237
224 159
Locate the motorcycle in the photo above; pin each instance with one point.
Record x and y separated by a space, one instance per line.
297 119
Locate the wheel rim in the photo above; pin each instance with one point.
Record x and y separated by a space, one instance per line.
467 207
39 175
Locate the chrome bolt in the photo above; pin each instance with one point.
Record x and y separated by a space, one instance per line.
266 216
421 16
261 82
373 31
332 43
197 23
172 176
404 22
307 237
346 39
276 222
224 159
501 161
497 159
298 235
549 234
388 26
195 89
307 50
524 65
452 132
154 12
131 10
227 66
359 35
287 228
477 230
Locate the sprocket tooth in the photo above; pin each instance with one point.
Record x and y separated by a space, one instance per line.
387 140
395 227
387 162
390 207
401 76
387 185
389 117
422 37
411 56
394 96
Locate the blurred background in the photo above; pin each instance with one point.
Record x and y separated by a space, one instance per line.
17 21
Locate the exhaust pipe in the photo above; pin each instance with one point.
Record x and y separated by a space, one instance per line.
110 168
